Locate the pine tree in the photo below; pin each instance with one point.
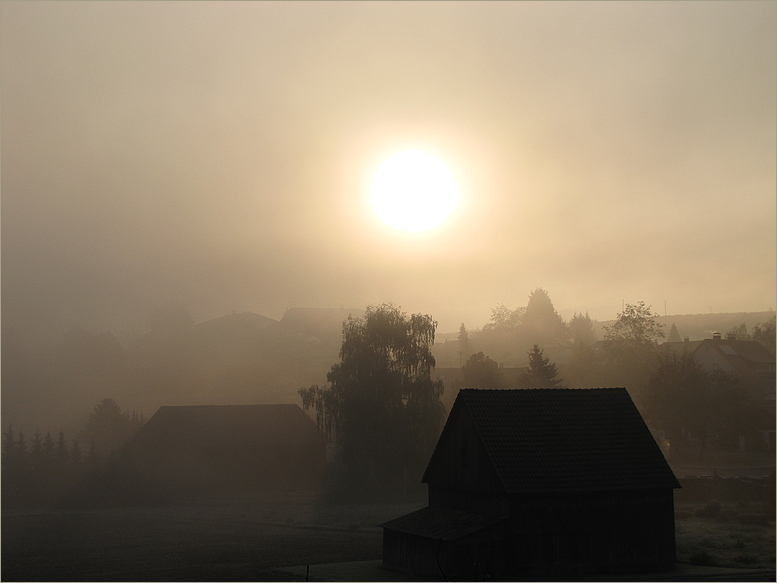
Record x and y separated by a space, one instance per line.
9 444
48 448
674 335
541 323
20 452
9 481
61 454
76 457
542 373
36 451
464 346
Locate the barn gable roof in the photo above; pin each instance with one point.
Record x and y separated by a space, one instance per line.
564 440
265 424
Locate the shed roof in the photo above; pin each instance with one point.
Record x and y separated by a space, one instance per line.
444 523
563 440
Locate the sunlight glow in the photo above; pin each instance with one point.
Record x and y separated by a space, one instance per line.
414 191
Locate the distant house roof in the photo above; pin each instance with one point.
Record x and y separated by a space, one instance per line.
562 440
265 424
229 448
319 322
742 356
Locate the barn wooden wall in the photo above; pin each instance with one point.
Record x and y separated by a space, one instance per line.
593 532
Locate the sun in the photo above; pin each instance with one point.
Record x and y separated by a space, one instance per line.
413 191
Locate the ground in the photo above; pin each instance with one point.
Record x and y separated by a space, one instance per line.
249 540
235 541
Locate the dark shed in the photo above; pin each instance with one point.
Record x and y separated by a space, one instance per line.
539 481
230 448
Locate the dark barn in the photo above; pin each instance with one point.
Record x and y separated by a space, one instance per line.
539 482
223 449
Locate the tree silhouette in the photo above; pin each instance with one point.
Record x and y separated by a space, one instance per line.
108 427
480 372
9 445
541 323
682 396
632 344
674 334
464 347
765 334
636 328
581 330
48 448
739 332
542 373
76 456
382 405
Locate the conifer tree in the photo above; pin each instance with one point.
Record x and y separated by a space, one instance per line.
464 347
20 451
9 478
76 457
542 373
61 454
674 334
541 323
9 444
36 449
48 449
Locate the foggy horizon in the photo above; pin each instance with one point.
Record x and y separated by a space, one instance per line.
218 156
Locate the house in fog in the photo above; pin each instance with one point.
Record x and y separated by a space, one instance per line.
539 482
221 449
748 362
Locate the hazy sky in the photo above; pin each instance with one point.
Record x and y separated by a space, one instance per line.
218 155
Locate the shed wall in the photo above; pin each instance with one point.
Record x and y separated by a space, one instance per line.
474 557
593 532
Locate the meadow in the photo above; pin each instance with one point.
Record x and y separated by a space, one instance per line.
246 540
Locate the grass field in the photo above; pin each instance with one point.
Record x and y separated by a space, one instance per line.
732 539
246 541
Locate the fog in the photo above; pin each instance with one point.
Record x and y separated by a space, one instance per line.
218 155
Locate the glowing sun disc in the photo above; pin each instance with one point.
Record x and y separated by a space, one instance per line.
413 191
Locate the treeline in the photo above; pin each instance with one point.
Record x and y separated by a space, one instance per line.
92 469
673 392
